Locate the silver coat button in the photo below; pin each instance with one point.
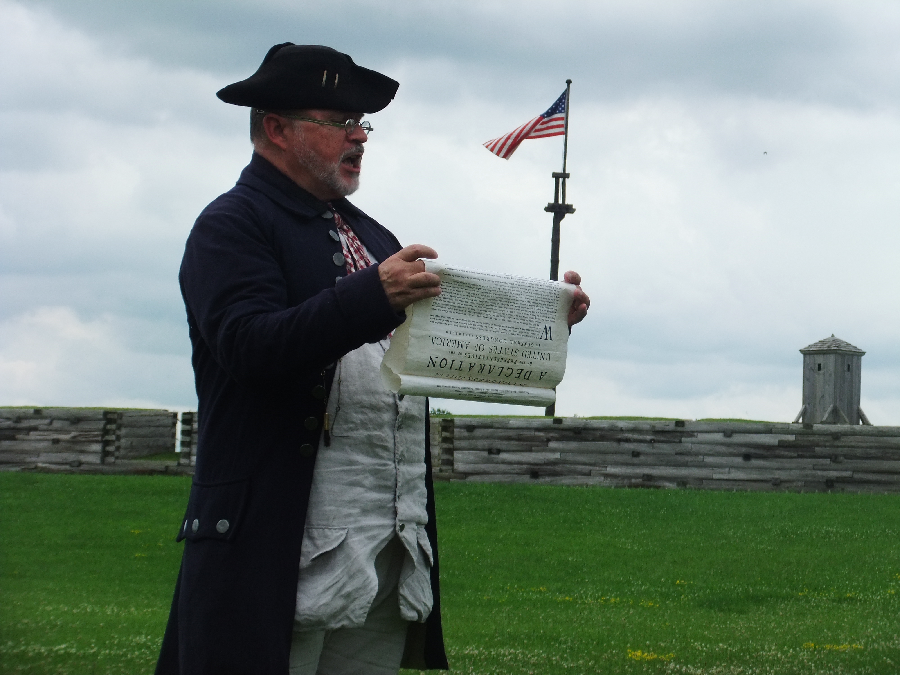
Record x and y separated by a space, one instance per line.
328 215
195 525
334 235
222 526
338 259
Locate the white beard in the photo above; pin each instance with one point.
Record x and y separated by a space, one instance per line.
328 173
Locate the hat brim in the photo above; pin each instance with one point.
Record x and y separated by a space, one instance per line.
296 77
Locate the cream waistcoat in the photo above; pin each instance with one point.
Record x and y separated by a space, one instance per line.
368 486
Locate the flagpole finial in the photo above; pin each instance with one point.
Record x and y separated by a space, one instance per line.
568 81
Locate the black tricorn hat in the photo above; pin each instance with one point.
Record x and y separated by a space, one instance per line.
295 77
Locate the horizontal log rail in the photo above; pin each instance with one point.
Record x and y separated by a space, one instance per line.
83 436
670 454
563 451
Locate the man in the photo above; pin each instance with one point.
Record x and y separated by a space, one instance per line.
310 540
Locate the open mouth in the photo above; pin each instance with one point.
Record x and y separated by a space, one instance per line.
352 160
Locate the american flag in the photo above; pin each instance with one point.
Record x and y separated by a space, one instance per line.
550 123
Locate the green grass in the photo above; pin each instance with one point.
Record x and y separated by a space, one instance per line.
568 580
536 579
87 569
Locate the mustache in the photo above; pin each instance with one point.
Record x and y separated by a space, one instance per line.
356 151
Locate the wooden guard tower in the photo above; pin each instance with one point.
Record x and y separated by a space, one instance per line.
831 383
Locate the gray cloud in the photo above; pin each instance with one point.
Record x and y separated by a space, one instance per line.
710 264
827 52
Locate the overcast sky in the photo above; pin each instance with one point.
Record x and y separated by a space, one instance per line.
735 170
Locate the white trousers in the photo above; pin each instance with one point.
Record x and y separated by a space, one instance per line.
376 647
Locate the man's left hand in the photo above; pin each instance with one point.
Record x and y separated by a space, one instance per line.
580 303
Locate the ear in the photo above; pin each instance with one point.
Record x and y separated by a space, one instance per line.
277 130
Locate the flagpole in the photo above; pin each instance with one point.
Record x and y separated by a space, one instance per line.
559 211
566 128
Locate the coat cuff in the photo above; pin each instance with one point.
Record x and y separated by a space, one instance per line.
365 304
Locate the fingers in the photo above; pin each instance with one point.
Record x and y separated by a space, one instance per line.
577 314
415 251
580 302
581 298
424 280
404 278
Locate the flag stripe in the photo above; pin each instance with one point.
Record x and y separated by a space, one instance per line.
550 123
506 145
552 126
515 137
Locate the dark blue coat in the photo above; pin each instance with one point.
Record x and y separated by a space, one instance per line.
267 320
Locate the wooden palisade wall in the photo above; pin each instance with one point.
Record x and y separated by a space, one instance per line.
60 436
187 444
145 432
669 454
568 451
79 436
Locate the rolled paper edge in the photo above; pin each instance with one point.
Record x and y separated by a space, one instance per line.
390 379
486 392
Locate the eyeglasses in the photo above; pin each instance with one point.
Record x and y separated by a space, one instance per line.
348 126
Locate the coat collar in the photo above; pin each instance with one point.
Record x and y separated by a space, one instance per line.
261 175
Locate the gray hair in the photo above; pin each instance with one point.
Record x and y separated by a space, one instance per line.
257 130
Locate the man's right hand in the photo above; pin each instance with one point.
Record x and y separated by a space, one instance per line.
404 277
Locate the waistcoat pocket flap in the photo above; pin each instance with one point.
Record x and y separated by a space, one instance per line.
425 545
320 540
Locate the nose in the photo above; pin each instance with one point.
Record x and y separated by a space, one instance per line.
357 135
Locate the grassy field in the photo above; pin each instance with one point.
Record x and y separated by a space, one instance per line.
536 579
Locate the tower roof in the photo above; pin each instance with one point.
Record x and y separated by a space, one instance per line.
832 345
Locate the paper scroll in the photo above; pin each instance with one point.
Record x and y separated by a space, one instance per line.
487 337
